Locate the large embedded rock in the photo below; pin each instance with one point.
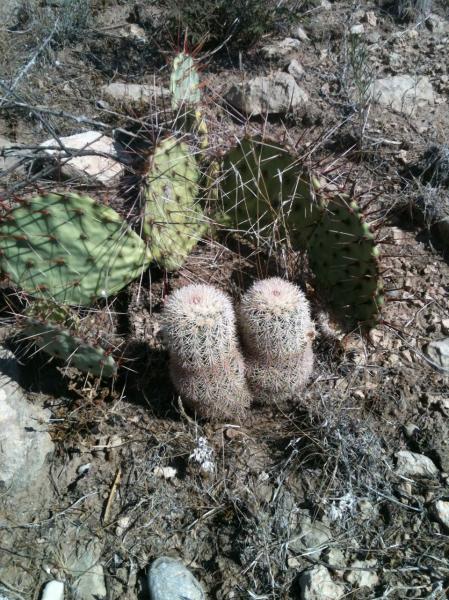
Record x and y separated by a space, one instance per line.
412 464
275 94
403 93
24 440
87 156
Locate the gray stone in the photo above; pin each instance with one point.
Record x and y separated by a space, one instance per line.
438 352
281 49
436 24
83 561
169 579
299 33
411 464
335 559
403 93
53 590
6 162
275 94
102 167
362 576
24 440
296 69
317 584
311 538
134 93
441 510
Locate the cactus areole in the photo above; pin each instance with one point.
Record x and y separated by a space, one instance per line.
69 249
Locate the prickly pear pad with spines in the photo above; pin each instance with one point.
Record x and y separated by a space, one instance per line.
69 249
344 259
57 331
184 82
265 192
173 221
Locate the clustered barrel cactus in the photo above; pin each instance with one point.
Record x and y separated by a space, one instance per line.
206 364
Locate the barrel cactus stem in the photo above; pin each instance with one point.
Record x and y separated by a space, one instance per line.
206 366
277 334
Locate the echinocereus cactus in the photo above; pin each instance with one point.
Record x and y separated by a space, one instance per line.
69 249
206 366
277 334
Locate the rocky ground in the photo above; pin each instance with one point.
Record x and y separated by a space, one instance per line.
346 492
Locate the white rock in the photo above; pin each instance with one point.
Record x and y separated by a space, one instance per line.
357 29
441 509
275 94
403 93
53 590
169 579
411 464
445 326
436 24
317 584
438 352
24 440
281 49
165 472
296 69
134 93
133 32
299 33
104 169
361 579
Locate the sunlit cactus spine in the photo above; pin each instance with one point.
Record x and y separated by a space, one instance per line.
277 333
206 365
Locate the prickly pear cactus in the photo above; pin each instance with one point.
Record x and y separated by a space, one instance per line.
69 249
173 221
265 192
344 259
59 332
184 82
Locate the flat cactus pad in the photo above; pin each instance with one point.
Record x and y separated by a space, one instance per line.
173 221
265 193
69 249
344 259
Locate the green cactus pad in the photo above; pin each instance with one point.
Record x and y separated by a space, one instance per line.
57 331
174 221
184 82
69 249
344 258
265 192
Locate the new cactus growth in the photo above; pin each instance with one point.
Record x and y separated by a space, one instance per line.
345 261
277 333
265 192
173 221
59 332
69 249
186 97
206 366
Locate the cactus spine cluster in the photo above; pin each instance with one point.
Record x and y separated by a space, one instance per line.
277 334
206 365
